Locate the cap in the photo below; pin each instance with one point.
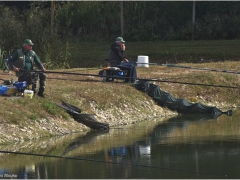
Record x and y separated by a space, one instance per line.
120 39
28 41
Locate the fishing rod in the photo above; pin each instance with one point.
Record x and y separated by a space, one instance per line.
101 161
189 67
197 84
141 79
197 68
82 80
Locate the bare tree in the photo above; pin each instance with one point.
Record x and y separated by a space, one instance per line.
121 18
52 16
193 18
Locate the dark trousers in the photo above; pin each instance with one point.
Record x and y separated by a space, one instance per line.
32 79
130 68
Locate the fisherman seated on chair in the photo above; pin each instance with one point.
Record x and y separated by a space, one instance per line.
24 59
116 58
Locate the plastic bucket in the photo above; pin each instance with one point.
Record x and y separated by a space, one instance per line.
3 90
28 94
143 61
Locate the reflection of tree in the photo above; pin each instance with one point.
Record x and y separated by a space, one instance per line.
89 138
163 130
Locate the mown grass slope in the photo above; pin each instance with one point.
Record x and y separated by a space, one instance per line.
88 91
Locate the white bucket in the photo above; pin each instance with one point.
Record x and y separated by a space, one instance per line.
144 150
143 60
28 94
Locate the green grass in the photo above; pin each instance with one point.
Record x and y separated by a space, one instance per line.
50 107
102 96
92 95
92 54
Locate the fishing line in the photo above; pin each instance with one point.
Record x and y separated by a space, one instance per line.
156 80
101 161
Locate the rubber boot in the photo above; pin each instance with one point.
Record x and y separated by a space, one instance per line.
34 88
41 88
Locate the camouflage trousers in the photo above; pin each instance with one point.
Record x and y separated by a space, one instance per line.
32 79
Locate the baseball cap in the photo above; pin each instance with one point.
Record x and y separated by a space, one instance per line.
120 39
28 41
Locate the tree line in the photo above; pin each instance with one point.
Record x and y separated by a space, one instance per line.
52 23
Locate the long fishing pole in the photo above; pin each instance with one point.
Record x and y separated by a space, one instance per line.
197 84
189 67
101 161
119 77
198 68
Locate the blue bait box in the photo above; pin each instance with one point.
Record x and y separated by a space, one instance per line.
3 90
20 85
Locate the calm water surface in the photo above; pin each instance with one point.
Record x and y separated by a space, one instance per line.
180 147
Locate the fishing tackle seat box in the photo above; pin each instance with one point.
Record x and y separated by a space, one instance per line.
113 73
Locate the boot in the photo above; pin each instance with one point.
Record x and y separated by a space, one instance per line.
34 88
41 89
40 94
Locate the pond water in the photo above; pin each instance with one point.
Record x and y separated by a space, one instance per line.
191 146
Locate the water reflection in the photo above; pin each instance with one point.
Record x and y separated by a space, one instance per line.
89 138
165 132
182 147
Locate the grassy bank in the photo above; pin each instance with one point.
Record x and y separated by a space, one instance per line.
114 102
92 54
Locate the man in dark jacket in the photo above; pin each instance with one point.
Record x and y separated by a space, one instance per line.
116 58
24 59
116 53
